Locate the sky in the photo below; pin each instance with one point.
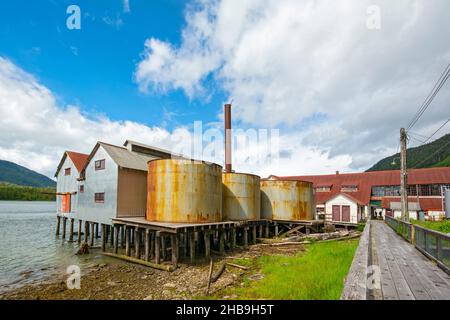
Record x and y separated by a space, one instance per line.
331 81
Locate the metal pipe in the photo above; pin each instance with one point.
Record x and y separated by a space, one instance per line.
227 110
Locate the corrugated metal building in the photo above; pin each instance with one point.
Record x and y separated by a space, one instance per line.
66 175
113 181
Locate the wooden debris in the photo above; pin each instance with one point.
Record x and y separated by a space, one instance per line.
219 273
236 266
139 261
211 264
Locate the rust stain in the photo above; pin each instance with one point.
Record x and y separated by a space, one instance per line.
184 191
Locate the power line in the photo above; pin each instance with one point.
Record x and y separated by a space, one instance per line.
423 161
437 87
448 120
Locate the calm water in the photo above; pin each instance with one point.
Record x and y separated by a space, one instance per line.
29 250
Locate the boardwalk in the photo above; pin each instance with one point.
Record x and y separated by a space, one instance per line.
401 271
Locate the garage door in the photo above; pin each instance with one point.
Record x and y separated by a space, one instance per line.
336 213
346 213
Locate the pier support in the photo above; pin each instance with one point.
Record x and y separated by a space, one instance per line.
266 235
245 236
192 246
174 243
157 247
112 231
103 237
96 231
163 248
127 241
80 223
86 232
122 236
207 240
276 230
116 239
58 224
147 245
254 235
221 241
233 237
71 230
92 234
137 243
64 228
261 227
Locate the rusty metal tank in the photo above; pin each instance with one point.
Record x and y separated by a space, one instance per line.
180 190
241 196
287 200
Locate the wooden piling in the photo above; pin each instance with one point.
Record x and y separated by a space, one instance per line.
92 234
80 222
116 239
207 241
127 241
266 230
137 244
152 245
71 230
233 237
175 246
221 241
254 235
111 228
58 224
86 232
163 248
103 237
192 246
147 245
157 247
122 235
276 230
261 230
96 231
245 237
64 228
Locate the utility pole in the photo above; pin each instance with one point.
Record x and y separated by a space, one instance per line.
403 175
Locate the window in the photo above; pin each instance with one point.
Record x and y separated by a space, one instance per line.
323 189
67 171
100 197
100 164
81 188
349 188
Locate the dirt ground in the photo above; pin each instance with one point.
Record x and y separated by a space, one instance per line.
127 281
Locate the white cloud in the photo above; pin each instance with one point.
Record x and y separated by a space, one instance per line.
35 130
287 62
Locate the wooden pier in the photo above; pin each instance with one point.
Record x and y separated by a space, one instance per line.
386 267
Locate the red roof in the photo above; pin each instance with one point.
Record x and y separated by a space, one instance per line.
366 180
78 159
426 203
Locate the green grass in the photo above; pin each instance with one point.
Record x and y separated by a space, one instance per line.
441 226
317 274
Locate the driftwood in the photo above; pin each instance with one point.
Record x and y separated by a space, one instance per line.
84 249
236 266
219 273
296 229
211 264
139 261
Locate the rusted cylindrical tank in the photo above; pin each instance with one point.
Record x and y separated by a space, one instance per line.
287 200
181 190
241 196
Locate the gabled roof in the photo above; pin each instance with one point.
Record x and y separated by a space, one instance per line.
122 157
78 159
151 150
366 180
346 195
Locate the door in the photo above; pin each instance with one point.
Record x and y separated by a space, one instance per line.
65 203
336 213
346 213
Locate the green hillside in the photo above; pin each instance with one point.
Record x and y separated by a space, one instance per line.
10 191
433 154
18 175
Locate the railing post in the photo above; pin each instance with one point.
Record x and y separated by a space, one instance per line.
412 233
438 248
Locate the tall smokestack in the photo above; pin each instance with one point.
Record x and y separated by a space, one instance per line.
227 110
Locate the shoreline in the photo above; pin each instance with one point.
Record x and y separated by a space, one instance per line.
127 281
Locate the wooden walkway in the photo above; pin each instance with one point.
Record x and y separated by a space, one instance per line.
394 269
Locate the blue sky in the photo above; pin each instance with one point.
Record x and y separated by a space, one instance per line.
93 67
335 87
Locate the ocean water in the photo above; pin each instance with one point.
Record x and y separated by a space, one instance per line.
29 250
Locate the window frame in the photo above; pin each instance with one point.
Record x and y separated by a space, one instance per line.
99 164
102 200
67 171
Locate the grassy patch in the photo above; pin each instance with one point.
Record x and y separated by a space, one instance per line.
441 226
318 273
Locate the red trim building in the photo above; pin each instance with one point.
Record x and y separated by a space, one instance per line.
377 192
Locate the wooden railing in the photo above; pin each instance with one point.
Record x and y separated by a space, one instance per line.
433 244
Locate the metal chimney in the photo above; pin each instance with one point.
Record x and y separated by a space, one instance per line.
227 110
